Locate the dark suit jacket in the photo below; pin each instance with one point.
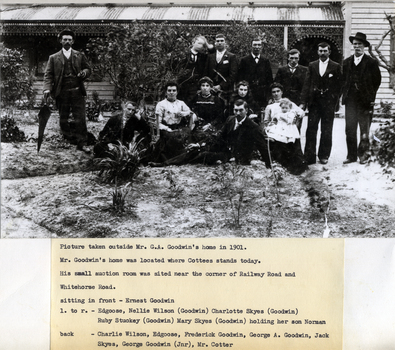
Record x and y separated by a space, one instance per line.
259 76
191 69
227 68
114 130
244 140
189 74
292 82
370 79
54 71
327 86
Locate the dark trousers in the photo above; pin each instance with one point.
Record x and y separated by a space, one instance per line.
357 113
324 111
72 101
289 155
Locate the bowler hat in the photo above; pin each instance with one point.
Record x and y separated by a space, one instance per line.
66 32
360 36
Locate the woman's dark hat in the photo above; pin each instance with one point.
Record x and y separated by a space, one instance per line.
66 32
360 36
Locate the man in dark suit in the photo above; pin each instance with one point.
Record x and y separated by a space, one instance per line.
321 92
362 79
192 68
257 71
292 77
221 67
63 79
238 138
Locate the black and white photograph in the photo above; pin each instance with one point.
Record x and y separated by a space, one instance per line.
201 130
120 120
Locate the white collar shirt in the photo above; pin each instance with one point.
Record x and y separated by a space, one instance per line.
323 66
194 55
67 53
238 123
292 69
220 55
256 58
357 60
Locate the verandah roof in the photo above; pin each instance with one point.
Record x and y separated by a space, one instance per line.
38 13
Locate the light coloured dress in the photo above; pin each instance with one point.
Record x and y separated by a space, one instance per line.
282 127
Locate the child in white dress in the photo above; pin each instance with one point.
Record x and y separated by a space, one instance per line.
283 125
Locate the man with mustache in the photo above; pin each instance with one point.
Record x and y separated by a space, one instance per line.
63 80
362 79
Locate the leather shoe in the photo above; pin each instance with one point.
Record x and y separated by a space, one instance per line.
324 161
348 161
363 160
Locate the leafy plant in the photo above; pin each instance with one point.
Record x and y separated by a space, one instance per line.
175 189
386 151
10 131
119 198
385 108
16 80
240 36
231 181
121 164
93 107
139 58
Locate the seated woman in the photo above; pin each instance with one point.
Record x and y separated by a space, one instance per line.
121 127
273 106
176 121
243 93
283 125
285 145
239 137
207 105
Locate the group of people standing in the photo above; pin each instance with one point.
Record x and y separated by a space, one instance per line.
222 107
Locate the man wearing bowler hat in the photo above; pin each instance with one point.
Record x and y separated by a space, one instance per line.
362 79
63 80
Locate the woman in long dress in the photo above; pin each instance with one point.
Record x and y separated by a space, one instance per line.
286 148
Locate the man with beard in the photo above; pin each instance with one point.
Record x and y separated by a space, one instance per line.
321 92
362 79
63 79
256 70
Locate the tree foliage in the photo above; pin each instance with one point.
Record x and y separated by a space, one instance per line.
139 58
375 51
16 80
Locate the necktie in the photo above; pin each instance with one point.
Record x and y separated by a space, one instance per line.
194 57
256 59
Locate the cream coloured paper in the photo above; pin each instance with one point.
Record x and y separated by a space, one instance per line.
214 293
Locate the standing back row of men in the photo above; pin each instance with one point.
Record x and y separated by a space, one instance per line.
317 87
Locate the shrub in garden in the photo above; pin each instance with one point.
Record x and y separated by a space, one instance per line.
10 131
119 198
231 181
385 108
121 164
386 151
16 80
139 58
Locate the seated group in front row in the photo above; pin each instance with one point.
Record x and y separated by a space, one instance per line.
207 132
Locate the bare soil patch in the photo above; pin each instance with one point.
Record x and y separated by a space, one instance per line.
56 193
